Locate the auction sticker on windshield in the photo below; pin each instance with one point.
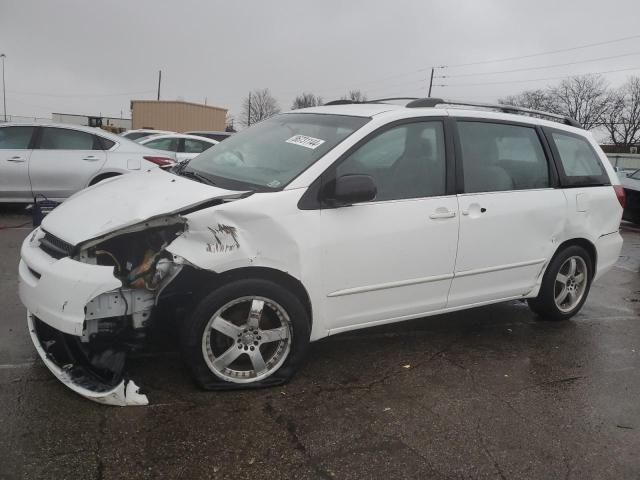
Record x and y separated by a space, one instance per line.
304 141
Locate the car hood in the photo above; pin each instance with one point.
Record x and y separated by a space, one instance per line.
127 200
630 183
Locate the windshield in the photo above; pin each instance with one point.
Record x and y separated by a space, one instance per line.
273 152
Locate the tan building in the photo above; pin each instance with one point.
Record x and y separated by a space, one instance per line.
176 116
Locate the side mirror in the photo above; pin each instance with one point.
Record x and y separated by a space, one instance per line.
354 188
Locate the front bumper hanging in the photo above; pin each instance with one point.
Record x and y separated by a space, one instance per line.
62 356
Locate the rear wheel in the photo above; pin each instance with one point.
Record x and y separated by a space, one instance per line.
249 333
565 285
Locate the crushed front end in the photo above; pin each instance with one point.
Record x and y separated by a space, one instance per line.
90 305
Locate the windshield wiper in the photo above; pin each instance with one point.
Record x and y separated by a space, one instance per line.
195 176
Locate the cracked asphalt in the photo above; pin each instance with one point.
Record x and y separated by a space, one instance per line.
486 393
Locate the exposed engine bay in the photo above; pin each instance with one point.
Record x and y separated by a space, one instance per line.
117 322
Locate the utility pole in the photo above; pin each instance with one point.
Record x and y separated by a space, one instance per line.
432 77
249 112
431 82
159 80
4 94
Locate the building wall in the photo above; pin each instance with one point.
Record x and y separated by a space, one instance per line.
176 116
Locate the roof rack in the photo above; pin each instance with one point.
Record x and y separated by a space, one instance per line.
433 102
345 101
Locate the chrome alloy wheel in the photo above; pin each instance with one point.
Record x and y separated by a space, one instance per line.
570 284
247 339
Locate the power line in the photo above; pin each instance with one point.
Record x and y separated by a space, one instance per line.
80 94
536 79
550 52
541 67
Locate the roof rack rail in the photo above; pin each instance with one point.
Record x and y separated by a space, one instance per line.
381 100
433 102
346 101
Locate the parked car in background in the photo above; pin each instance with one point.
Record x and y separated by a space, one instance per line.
185 147
317 222
58 160
219 136
139 134
630 180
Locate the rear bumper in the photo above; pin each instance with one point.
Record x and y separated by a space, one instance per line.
608 248
78 378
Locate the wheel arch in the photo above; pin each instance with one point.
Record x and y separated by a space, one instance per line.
201 282
581 242
103 176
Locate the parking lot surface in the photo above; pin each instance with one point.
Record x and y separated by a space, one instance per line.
486 393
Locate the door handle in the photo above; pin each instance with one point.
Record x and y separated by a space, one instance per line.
473 208
16 159
442 214
90 158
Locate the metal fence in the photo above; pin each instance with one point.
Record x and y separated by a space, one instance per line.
21 118
624 160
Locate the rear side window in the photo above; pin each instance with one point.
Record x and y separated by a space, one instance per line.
579 163
499 157
66 139
15 137
136 135
195 146
167 144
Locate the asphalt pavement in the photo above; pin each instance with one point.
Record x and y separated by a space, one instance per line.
486 393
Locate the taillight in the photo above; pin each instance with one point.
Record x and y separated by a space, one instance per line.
620 194
160 161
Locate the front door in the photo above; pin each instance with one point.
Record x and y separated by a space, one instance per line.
391 258
64 161
510 214
14 163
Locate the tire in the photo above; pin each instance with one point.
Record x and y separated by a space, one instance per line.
230 360
574 293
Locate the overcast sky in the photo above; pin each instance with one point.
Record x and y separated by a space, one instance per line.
92 57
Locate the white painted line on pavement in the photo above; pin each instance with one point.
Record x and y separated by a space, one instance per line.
16 365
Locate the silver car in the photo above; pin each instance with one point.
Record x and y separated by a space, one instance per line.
55 161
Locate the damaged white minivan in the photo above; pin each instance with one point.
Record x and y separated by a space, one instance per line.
316 222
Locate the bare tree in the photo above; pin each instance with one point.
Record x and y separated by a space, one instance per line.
257 106
533 99
355 96
305 100
585 98
228 122
623 117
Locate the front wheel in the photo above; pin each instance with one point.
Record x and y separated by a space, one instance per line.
248 333
565 285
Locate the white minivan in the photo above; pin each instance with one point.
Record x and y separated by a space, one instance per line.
316 222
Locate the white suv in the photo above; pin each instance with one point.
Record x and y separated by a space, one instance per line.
317 222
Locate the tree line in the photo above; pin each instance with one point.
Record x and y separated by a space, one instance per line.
589 99
261 104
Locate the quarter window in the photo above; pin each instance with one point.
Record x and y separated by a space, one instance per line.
500 157
15 138
577 156
106 143
66 139
407 161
